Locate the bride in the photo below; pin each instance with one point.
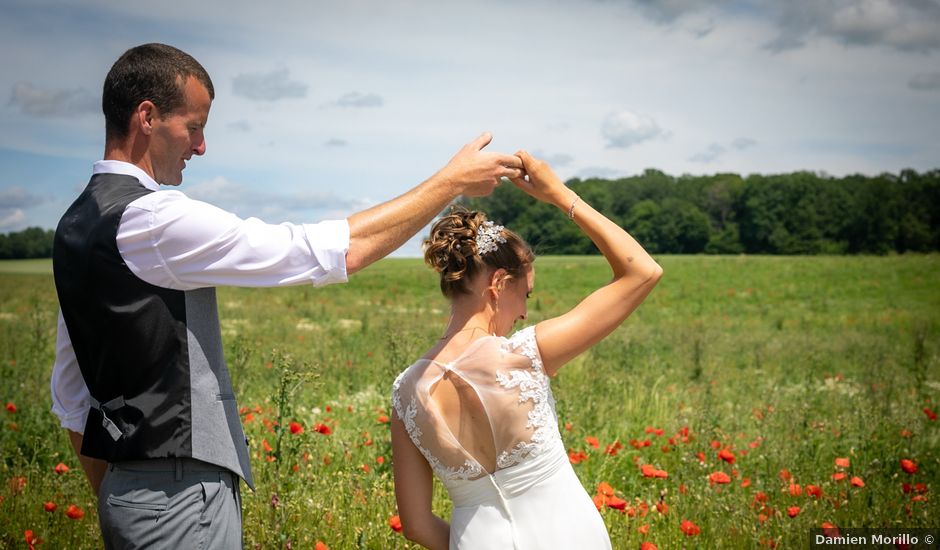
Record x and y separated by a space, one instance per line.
477 409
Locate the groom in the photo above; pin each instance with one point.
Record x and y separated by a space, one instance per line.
140 380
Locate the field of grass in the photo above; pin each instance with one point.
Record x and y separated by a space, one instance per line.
794 370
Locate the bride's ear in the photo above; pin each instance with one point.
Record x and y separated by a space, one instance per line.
497 281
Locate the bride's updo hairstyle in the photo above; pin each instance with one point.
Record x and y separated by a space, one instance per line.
452 251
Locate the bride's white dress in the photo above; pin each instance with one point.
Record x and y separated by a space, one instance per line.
496 447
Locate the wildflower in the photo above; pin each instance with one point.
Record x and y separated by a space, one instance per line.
321 546
60 468
640 444
718 477
908 466
599 501
857 481
830 530
604 488
613 448
842 463
689 528
267 446
662 508
785 475
74 512
651 471
380 460
795 490
616 503
395 523
31 540
644 529
592 441
382 419
814 490
568 426
745 483
11 407
793 511
726 455
296 428
17 484
576 457
49 506
701 457
906 433
930 414
648 546
323 429
838 476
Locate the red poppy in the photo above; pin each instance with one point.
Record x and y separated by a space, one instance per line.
909 466
74 512
857 481
323 429
17 484
644 529
604 488
842 463
321 546
616 503
701 457
599 501
662 508
795 490
785 475
745 483
640 444
267 446
576 457
838 476
648 546
11 407
395 523
830 530
906 433
726 455
60 468
49 506
31 540
930 414
814 490
793 511
689 528
568 426
380 460
382 419
718 477
651 471
592 441
613 448
296 428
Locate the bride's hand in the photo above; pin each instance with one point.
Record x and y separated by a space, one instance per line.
542 183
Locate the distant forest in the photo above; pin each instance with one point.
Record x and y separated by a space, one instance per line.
797 213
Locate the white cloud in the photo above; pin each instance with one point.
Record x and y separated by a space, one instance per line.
12 220
272 86
709 155
355 99
624 129
17 197
38 102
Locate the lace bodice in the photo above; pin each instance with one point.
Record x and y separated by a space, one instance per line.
494 409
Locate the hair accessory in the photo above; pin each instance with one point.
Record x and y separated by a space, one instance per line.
488 237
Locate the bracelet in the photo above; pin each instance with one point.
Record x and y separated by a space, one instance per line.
571 209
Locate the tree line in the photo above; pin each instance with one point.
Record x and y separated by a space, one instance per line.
796 213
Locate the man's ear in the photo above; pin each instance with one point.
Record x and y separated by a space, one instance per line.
144 115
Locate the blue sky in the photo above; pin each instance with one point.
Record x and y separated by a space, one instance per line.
324 108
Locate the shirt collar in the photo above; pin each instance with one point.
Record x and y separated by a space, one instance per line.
125 169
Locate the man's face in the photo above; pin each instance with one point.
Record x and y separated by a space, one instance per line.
178 135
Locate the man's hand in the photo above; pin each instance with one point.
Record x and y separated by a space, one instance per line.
475 173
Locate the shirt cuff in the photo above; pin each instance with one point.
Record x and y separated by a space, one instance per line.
329 242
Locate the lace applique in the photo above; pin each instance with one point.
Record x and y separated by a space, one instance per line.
533 386
470 469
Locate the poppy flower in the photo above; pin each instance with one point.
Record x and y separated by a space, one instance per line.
604 488
395 523
648 546
651 471
908 466
74 512
616 503
321 546
785 475
838 476
689 528
613 448
814 490
701 457
267 446
568 426
793 511
592 441
380 460
640 444
662 508
49 506
17 484
760 497
644 529
718 477
830 530
382 419
323 429
795 490
576 457
857 481
906 433
296 428
60 468
745 483
930 414
31 539
11 407
599 501
726 455
842 463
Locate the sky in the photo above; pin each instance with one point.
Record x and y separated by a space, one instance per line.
325 108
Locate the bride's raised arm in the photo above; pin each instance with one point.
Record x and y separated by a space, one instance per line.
562 338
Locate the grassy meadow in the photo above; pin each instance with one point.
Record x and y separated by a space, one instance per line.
775 394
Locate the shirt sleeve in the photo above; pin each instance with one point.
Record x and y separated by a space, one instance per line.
172 241
70 398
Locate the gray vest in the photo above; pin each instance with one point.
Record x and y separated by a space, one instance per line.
151 357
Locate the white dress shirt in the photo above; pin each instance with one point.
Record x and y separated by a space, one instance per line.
172 241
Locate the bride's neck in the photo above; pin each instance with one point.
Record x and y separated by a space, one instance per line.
464 317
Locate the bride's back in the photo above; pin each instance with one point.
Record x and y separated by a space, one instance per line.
488 409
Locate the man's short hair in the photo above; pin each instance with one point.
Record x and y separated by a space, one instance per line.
154 72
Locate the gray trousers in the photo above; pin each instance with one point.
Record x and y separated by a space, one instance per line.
172 503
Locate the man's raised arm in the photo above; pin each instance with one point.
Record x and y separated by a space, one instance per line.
377 231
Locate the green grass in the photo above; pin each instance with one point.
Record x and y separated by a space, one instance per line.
790 362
